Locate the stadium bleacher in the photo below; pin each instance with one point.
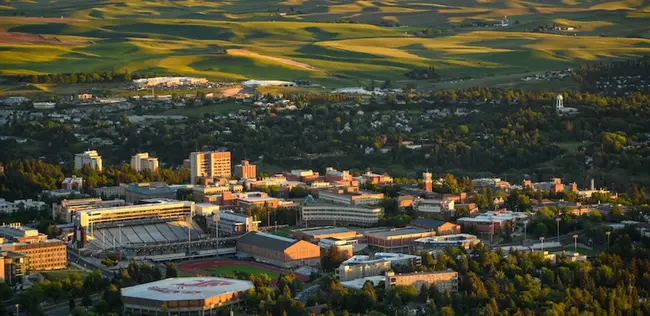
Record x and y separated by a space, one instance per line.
104 238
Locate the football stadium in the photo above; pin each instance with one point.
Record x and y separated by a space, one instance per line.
184 296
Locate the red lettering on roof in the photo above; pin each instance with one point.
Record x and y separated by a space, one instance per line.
202 283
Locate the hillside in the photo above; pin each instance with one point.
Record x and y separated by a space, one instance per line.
331 42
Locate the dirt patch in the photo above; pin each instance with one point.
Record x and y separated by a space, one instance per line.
243 52
230 92
26 38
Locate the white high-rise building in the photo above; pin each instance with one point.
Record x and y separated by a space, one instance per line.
142 161
89 157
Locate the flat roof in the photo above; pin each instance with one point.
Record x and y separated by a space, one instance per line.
358 283
398 231
177 289
149 190
323 231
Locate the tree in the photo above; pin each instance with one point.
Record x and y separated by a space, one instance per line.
540 230
332 258
71 303
171 271
86 300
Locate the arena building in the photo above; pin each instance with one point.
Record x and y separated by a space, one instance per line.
280 251
183 296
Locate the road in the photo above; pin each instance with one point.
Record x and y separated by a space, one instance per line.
88 264
302 296
63 308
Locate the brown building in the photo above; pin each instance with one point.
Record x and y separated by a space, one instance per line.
42 256
439 227
427 179
306 176
245 170
396 239
405 200
333 175
314 235
279 251
209 164
444 280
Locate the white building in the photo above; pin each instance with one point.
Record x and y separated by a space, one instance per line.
7 207
433 205
336 214
91 158
267 83
44 105
142 161
73 183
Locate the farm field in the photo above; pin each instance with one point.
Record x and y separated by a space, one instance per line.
341 44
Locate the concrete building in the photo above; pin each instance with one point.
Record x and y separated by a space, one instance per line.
209 164
143 191
315 234
17 233
202 193
439 243
245 170
336 214
333 175
173 210
91 158
66 208
169 81
363 266
13 267
306 176
440 227
50 254
444 281
492 221
73 183
350 196
183 296
142 161
396 239
279 251
345 247
373 178
433 206
231 223
116 191
7 207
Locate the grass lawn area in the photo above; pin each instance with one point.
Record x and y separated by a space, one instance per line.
284 232
582 251
58 275
229 271
222 108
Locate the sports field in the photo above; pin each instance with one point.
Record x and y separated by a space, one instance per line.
333 43
228 268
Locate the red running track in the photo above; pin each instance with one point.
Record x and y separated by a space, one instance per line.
195 267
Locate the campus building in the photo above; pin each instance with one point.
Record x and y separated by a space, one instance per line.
209 164
175 210
396 239
314 235
144 191
306 176
203 193
231 223
142 161
91 158
333 175
337 214
17 233
183 296
492 221
13 266
373 178
444 281
73 183
50 254
363 266
440 227
280 251
350 196
66 208
245 170
439 243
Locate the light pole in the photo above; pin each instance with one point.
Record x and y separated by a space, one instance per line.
575 243
18 309
558 228
276 226
542 240
525 232
608 233
120 233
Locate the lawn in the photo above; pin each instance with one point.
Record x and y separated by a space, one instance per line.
186 37
582 251
57 275
229 271
284 231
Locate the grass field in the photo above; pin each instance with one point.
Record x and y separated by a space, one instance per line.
57 275
229 271
296 39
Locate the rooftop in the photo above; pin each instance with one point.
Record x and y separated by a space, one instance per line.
269 241
177 289
325 230
427 223
397 232
149 190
